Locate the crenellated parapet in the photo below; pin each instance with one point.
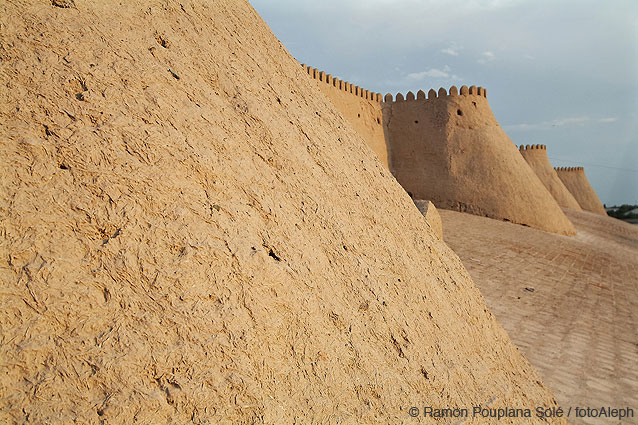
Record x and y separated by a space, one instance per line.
338 84
532 147
569 168
434 94
355 90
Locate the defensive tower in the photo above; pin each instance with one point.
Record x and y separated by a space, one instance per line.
450 149
536 157
578 185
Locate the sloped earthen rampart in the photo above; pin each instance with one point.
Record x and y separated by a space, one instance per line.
449 148
578 185
536 157
191 233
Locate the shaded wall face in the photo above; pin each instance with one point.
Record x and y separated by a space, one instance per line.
414 129
428 160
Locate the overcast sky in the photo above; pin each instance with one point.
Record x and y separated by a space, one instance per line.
559 73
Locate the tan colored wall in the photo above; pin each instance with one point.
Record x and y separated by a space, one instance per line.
450 149
173 245
359 106
577 183
461 162
536 157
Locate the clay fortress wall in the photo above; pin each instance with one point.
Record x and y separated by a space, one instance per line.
446 146
576 181
536 157
362 109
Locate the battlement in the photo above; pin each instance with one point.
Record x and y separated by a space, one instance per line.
531 147
569 168
341 85
434 94
347 87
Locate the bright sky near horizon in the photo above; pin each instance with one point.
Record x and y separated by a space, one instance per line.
559 73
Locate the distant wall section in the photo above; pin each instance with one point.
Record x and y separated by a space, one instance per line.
536 157
359 106
576 181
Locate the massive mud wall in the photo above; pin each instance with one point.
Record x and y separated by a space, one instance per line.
463 163
192 233
359 106
536 157
450 149
578 185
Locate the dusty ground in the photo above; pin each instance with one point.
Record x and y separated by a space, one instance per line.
579 326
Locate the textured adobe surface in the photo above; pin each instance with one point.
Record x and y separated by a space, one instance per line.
536 157
192 234
576 181
579 325
450 149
